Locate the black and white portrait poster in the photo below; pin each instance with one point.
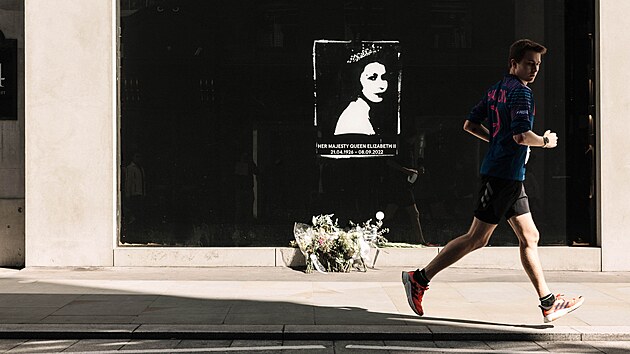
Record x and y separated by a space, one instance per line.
357 98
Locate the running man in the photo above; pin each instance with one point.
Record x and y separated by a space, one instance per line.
509 108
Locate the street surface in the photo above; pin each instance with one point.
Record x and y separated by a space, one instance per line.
302 347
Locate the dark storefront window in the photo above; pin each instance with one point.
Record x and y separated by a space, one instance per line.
217 103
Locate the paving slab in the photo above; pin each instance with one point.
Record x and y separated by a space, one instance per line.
93 345
568 347
148 344
514 346
611 347
199 343
36 300
209 331
62 331
604 333
287 304
43 346
7 344
357 332
560 333
25 314
52 319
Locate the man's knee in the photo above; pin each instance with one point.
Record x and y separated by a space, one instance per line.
481 243
477 241
530 238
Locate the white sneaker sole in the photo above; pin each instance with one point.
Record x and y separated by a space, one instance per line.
555 315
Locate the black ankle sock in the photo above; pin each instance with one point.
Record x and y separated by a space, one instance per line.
421 277
547 301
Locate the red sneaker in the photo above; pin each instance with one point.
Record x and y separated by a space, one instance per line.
414 291
561 307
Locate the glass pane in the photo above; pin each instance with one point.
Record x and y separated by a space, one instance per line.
218 109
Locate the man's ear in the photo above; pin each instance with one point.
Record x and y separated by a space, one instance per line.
512 63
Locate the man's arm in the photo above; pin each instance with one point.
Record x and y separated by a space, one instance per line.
549 140
478 130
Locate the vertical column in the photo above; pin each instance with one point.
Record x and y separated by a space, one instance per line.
612 137
70 132
12 146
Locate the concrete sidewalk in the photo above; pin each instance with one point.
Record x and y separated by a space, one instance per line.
282 303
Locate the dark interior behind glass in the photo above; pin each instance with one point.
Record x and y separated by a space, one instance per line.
217 109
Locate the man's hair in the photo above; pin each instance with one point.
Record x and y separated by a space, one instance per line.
520 47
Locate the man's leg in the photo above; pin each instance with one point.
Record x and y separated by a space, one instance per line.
528 236
552 306
417 282
476 237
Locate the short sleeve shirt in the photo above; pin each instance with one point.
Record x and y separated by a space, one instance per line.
508 107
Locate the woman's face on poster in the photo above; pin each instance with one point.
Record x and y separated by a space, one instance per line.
373 81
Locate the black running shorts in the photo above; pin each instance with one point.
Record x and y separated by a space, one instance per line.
500 197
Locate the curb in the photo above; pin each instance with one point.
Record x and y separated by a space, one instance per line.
312 332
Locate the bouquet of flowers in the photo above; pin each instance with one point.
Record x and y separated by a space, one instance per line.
329 248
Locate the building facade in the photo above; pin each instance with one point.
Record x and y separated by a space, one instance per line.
210 106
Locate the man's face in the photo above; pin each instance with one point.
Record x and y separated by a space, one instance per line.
527 69
373 81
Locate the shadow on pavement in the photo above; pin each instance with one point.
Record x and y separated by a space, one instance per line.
42 309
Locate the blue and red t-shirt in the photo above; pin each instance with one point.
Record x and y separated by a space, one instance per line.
509 106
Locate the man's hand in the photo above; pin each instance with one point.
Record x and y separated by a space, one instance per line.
550 140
